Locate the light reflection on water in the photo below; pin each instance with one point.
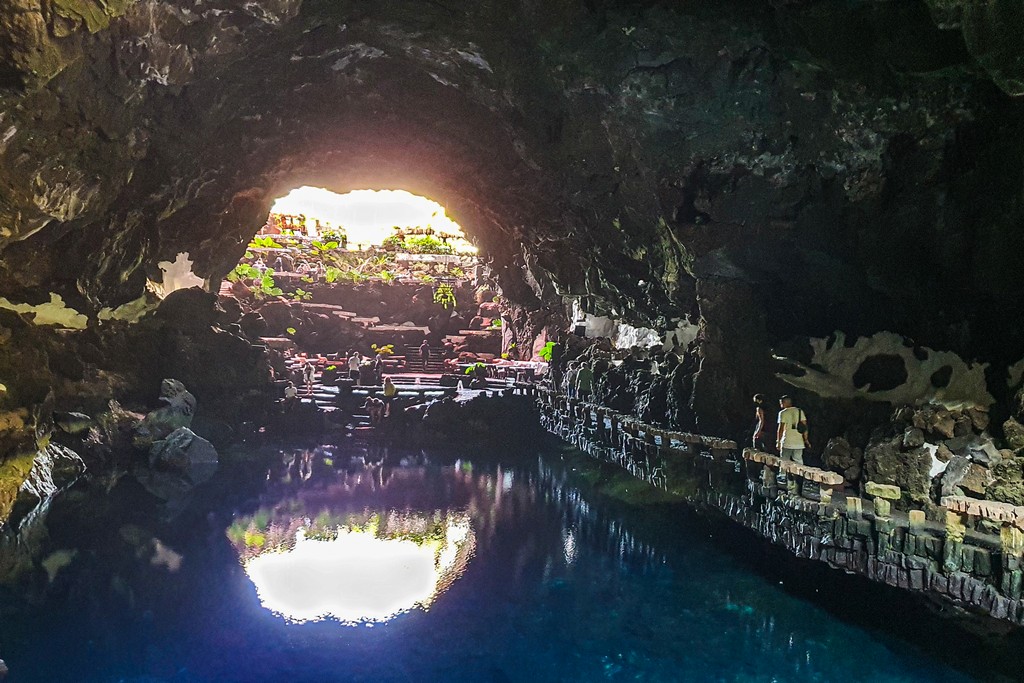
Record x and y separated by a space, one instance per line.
512 571
357 576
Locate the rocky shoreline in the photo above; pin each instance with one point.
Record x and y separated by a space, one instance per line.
965 553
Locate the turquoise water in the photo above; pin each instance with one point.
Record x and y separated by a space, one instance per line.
495 571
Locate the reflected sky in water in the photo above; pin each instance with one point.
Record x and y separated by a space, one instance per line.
467 570
357 576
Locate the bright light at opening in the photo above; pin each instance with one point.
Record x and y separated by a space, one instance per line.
358 577
367 215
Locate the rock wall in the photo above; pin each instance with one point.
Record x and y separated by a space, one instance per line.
781 170
968 555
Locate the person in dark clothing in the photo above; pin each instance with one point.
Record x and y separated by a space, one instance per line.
425 354
759 428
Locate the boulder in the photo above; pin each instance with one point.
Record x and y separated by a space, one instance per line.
936 421
1014 432
979 417
954 473
977 479
190 309
841 457
1007 482
885 463
159 423
279 315
253 325
184 453
942 453
913 438
984 452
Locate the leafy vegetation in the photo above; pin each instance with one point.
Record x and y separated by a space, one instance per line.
264 242
545 352
260 284
444 295
385 350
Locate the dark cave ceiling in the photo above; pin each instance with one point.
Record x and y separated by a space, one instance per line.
821 165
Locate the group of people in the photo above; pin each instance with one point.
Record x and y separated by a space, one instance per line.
791 435
380 408
578 381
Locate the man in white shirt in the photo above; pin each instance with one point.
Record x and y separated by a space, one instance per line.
792 440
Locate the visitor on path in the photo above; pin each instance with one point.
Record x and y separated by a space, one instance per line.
308 372
792 436
584 381
760 424
425 354
570 378
390 391
279 265
378 368
291 392
374 407
353 365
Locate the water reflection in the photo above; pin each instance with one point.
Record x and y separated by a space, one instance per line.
359 574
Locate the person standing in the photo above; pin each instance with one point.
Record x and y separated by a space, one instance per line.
353 365
390 391
584 381
308 373
425 354
761 425
792 435
570 378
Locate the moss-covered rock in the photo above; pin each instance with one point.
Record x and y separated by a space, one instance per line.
885 463
1008 484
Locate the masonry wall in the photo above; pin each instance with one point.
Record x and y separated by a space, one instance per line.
971 559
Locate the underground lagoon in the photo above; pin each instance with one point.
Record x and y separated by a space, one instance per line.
512 341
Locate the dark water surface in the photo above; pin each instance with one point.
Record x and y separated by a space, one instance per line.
463 569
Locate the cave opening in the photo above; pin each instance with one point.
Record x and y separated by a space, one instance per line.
368 284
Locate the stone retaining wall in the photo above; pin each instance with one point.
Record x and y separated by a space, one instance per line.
972 558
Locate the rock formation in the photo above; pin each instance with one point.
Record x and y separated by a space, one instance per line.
778 170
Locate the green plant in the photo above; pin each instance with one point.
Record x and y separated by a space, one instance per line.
243 271
331 274
263 284
290 330
545 352
266 286
302 295
264 242
331 368
444 295
474 368
504 356
385 350
426 244
333 236
387 276
321 247
496 324
457 272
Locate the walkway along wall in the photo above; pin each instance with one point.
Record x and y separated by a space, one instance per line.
971 558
